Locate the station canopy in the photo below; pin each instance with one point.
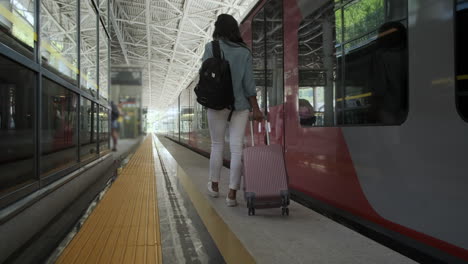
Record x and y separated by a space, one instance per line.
166 38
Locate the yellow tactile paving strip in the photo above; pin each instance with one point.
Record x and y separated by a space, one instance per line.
124 226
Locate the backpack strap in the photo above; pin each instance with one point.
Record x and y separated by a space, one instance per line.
217 54
230 115
216 49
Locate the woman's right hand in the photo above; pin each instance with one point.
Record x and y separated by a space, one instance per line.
257 114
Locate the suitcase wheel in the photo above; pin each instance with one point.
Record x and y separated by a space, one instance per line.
251 211
285 211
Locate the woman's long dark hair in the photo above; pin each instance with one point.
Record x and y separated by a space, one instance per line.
227 28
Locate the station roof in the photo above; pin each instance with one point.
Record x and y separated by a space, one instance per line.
166 38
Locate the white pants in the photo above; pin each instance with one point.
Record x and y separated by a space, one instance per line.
217 122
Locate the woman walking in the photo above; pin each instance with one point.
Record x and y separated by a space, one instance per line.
236 52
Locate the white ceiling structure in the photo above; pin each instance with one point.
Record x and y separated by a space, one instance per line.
166 38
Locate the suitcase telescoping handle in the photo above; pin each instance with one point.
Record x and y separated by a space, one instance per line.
251 131
267 128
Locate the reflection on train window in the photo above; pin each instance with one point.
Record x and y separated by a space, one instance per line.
317 68
462 58
186 116
360 18
353 64
103 129
274 49
17 85
258 53
171 120
17 20
199 133
267 50
59 127
201 117
175 110
88 129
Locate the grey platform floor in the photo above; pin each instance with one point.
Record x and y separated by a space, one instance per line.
303 237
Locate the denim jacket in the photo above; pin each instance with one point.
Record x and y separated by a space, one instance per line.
240 61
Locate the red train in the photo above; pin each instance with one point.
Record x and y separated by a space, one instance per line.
369 99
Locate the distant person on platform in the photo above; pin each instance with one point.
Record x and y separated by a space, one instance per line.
115 114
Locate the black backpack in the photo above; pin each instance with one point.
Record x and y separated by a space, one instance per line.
214 89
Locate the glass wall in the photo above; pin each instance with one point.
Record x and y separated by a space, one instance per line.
88 129
186 116
104 125
462 58
38 149
17 25
103 11
353 64
59 129
88 47
17 85
103 63
59 49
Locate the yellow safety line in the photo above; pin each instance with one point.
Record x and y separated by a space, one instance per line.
124 226
462 77
354 97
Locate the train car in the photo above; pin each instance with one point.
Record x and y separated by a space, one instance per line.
369 99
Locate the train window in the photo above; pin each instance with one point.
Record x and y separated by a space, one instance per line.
462 58
274 49
17 85
317 68
186 115
58 127
361 17
172 120
258 52
267 49
88 129
353 64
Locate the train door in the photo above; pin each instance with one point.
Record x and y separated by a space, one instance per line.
346 67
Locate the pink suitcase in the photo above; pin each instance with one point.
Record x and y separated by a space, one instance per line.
265 178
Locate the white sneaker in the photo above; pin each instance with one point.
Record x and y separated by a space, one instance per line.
231 203
211 192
